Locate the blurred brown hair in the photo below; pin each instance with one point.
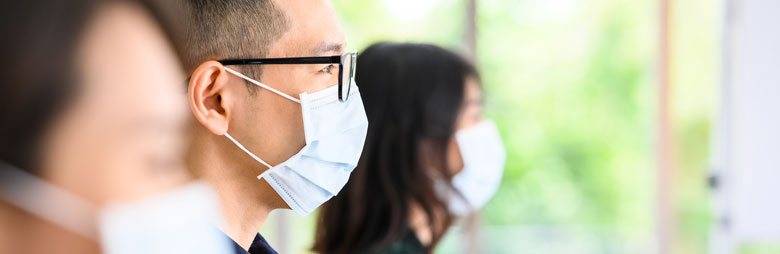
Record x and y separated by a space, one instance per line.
38 72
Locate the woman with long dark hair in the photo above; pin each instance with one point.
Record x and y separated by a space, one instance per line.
428 157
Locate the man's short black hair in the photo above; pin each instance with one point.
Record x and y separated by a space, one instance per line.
220 29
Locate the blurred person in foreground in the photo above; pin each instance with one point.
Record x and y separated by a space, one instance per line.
90 142
277 121
429 155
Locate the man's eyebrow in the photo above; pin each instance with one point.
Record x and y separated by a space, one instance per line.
328 48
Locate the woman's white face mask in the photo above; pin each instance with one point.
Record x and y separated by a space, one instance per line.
182 220
483 166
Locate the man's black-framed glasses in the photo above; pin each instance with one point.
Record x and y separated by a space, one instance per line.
346 63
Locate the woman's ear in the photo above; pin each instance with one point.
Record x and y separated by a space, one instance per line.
209 97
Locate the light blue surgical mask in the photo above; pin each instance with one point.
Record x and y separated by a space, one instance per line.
335 133
483 165
180 220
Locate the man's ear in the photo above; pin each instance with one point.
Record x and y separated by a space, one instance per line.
208 96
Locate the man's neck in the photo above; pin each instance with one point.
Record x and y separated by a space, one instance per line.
243 216
245 200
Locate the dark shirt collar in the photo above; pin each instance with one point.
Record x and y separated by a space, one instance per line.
259 246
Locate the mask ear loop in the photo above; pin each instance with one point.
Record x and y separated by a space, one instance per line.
262 85
261 161
47 201
247 151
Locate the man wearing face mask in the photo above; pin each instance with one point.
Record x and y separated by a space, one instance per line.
278 120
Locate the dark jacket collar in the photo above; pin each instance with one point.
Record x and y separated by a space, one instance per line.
259 246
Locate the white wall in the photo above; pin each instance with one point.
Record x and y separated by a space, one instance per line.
747 152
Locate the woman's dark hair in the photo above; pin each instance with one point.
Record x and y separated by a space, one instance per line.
38 66
412 95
